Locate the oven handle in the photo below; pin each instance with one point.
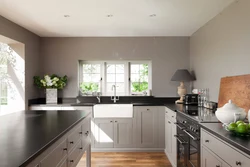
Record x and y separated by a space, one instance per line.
182 142
194 138
179 126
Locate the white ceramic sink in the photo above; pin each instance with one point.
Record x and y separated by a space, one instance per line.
113 111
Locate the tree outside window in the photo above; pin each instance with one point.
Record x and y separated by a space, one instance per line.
91 77
139 77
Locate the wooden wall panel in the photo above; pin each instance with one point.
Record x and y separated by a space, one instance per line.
236 88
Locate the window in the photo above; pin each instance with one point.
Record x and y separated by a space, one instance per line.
115 75
128 77
3 84
91 78
139 78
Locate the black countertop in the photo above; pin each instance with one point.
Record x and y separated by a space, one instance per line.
24 135
242 143
199 114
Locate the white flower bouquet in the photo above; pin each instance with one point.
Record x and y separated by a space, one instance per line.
52 81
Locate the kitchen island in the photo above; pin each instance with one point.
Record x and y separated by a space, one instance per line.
44 138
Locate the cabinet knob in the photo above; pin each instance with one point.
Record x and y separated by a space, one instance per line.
80 133
147 109
71 142
80 148
71 161
111 121
87 133
172 116
207 141
65 149
115 121
217 165
169 122
238 163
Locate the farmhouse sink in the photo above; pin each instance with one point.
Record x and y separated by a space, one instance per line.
113 111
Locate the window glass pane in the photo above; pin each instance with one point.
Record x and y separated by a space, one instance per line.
96 77
111 68
86 77
139 86
96 68
110 77
139 77
120 68
120 87
86 68
119 77
135 77
135 68
90 87
109 87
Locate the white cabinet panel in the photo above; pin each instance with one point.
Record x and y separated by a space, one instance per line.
123 133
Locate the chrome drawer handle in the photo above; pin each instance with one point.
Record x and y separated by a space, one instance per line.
238 163
182 142
71 142
179 126
194 138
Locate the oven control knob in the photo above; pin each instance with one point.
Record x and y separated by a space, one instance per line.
195 130
184 122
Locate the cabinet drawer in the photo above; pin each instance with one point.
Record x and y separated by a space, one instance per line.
56 156
170 114
64 164
74 137
75 155
228 153
86 132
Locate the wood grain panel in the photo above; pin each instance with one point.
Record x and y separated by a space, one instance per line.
236 88
127 159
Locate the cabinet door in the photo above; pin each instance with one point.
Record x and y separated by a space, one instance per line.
168 136
104 133
146 127
173 144
208 159
123 133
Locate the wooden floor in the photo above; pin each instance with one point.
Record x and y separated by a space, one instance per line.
125 159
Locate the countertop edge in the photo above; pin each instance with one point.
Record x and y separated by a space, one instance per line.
36 154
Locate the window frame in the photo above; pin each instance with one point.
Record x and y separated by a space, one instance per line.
127 75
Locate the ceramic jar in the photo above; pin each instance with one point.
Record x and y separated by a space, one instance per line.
230 112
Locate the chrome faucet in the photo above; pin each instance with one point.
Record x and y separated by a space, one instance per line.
114 97
98 96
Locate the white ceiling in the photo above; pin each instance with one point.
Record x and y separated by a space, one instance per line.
130 17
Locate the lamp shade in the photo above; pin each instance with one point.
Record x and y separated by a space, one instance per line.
182 75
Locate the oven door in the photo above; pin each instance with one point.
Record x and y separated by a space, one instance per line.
193 148
182 147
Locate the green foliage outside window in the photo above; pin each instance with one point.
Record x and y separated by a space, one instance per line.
89 87
142 84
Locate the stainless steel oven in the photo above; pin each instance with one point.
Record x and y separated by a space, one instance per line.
188 142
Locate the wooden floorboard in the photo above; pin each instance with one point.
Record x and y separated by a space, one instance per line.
127 159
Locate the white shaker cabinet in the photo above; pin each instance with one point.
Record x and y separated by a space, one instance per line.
113 133
222 154
146 126
170 132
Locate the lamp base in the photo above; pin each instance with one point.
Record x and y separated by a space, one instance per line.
179 102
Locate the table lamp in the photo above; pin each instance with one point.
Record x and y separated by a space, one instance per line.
182 75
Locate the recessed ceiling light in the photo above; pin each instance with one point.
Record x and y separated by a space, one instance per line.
109 15
152 15
66 15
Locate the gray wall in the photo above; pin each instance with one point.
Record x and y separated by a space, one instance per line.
222 48
32 43
61 55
